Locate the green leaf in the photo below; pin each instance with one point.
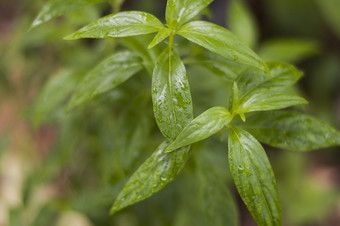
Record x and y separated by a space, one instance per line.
218 204
105 76
205 125
290 130
330 12
290 50
254 177
225 69
54 93
222 42
261 91
153 175
121 24
171 94
180 11
161 35
55 8
242 22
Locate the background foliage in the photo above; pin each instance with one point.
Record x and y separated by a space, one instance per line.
60 167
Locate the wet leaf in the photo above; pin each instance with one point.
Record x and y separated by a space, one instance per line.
161 35
259 91
222 42
254 177
171 94
291 130
107 75
181 11
153 175
55 8
121 24
205 125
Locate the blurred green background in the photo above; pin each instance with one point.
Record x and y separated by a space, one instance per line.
59 168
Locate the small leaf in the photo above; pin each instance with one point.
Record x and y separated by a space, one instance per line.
259 91
254 177
161 35
171 94
242 22
288 50
54 93
121 24
55 8
205 125
153 175
105 76
293 131
180 11
222 42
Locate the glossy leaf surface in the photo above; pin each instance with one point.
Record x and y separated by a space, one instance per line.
171 94
55 8
153 175
181 11
261 91
161 35
222 42
107 75
254 177
205 125
293 131
242 22
121 24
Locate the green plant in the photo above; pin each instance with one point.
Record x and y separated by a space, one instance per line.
257 86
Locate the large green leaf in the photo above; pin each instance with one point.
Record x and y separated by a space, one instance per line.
290 130
254 177
121 24
153 175
181 11
55 8
261 91
54 93
242 22
205 125
171 94
107 75
222 42
290 50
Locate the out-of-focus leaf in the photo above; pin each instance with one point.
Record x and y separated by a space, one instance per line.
222 42
254 177
330 10
218 203
54 93
171 94
288 50
205 125
121 24
242 22
290 130
55 8
261 91
153 175
161 35
107 75
181 11
138 44
219 66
